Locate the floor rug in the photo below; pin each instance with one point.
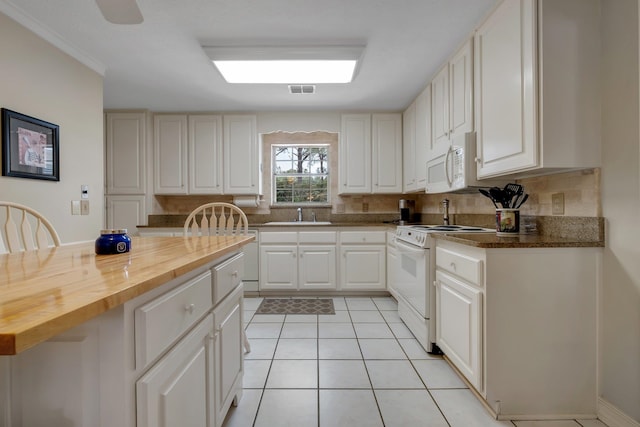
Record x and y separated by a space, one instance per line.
296 306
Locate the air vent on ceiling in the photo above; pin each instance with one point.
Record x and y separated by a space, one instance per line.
302 89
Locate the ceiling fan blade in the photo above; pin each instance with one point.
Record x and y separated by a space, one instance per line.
120 11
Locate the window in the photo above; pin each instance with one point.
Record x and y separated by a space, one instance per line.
300 174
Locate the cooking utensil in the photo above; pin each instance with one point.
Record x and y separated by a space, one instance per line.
524 199
498 195
486 193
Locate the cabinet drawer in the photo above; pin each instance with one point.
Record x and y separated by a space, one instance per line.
159 322
279 237
317 237
226 276
354 237
461 265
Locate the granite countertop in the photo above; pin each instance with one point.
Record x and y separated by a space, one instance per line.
490 240
49 291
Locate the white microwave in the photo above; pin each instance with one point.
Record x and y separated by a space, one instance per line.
456 170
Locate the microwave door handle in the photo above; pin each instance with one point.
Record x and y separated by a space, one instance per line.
446 167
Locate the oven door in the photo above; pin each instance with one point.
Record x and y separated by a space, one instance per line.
412 270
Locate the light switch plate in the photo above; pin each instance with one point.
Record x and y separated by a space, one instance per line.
75 207
557 204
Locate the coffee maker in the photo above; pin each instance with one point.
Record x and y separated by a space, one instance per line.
407 211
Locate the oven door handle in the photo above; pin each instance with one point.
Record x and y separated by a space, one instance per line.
409 248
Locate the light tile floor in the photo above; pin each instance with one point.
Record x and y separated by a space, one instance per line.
359 367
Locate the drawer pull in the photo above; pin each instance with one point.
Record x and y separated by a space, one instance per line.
453 266
189 308
235 273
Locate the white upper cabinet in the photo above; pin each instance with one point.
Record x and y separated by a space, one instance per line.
537 83
242 167
355 154
370 154
187 154
409 148
386 156
125 153
440 109
416 140
205 154
170 154
461 90
452 100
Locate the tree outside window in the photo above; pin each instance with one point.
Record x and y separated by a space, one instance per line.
301 174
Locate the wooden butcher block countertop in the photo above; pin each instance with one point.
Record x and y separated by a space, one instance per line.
45 292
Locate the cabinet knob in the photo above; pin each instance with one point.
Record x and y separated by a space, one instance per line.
477 159
189 308
235 273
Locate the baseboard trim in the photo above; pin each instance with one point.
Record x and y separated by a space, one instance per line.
614 417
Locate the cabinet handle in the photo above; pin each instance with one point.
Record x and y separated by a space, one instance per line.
477 159
234 274
453 266
189 308
435 283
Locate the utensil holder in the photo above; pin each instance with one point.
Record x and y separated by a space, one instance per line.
507 222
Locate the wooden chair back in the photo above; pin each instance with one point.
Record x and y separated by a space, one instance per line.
25 229
216 219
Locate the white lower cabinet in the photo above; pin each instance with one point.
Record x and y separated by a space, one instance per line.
178 390
363 260
228 354
520 325
304 260
459 324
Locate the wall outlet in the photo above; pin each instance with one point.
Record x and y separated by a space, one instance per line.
84 207
75 207
557 204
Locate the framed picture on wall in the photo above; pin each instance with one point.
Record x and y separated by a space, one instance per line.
30 147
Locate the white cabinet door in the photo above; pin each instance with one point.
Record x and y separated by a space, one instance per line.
126 153
409 162
242 174
363 267
178 390
459 325
205 154
170 154
317 267
278 267
355 154
461 90
125 211
228 354
440 110
386 155
505 82
422 137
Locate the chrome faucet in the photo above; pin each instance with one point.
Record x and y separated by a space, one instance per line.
299 214
445 218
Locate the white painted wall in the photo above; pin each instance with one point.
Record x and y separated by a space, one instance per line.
39 80
620 314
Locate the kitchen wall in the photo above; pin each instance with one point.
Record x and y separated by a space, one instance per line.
40 80
620 294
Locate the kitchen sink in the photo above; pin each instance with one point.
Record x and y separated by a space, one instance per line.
300 223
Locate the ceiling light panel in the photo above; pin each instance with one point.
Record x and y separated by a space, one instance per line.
286 65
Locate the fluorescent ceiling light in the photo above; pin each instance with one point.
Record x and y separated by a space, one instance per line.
286 65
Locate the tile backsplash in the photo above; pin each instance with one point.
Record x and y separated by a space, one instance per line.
581 191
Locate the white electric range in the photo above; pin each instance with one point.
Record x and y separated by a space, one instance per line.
414 275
